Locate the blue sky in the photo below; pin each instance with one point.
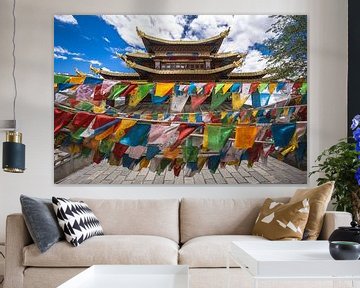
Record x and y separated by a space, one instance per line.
81 40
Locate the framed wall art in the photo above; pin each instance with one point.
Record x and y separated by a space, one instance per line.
180 99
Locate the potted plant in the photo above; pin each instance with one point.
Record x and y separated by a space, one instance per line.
341 163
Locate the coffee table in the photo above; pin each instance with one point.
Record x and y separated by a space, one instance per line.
292 260
131 276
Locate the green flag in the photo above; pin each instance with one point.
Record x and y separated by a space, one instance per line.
303 88
218 98
61 79
218 87
140 93
85 106
218 136
116 90
106 146
262 87
190 153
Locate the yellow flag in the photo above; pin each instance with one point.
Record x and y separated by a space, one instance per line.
226 87
192 117
163 89
205 143
238 100
254 112
104 134
272 87
77 79
120 131
245 136
144 163
293 145
100 109
171 154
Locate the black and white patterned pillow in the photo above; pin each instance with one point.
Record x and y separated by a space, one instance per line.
77 220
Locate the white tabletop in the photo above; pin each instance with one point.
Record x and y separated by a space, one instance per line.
291 259
131 276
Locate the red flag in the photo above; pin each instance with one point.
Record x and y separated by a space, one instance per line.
82 119
253 87
129 89
119 150
184 130
101 120
98 96
196 101
61 119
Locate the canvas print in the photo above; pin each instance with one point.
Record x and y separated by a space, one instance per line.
180 99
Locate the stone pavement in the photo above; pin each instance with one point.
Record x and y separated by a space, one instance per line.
276 172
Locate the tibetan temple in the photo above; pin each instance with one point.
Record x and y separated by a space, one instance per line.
182 60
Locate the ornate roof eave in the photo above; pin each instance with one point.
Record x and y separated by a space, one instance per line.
260 73
102 72
224 68
150 38
228 55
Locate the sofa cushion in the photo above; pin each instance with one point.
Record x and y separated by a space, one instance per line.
201 217
76 220
319 198
41 221
211 251
137 217
107 249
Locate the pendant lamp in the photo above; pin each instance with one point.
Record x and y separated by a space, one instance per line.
13 149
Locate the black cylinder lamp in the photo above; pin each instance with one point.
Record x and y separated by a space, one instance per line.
13 153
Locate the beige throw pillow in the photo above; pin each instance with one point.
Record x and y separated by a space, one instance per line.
319 198
279 221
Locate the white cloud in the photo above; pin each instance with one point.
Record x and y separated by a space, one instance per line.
254 61
63 51
57 56
93 62
68 19
245 31
106 40
166 26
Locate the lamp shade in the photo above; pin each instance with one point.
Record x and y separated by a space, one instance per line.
13 153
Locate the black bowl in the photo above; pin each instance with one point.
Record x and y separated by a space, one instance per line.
344 250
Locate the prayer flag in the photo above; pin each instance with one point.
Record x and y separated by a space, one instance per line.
236 88
218 136
260 99
61 119
282 133
158 100
245 136
218 99
238 100
163 135
272 87
152 151
190 153
163 89
119 150
138 94
246 88
77 79
219 87
116 90
226 87
178 102
122 128
93 80
303 89
184 130
262 87
137 135
82 119
85 92
61 79
253 87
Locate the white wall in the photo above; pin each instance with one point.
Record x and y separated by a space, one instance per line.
327 88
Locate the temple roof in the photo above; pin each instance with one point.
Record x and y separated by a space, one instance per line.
140 68
214 42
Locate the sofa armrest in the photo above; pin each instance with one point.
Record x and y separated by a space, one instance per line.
17 237
333 220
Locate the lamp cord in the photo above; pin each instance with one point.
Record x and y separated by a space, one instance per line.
14 61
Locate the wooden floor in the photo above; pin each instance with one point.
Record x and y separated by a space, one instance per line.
276 172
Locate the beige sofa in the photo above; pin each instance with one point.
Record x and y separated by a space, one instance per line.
194 232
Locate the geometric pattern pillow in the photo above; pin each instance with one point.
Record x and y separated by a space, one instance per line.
76 220
279 221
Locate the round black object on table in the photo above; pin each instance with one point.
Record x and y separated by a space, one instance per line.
344 250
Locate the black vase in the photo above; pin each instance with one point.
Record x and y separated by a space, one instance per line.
343 250
350 234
